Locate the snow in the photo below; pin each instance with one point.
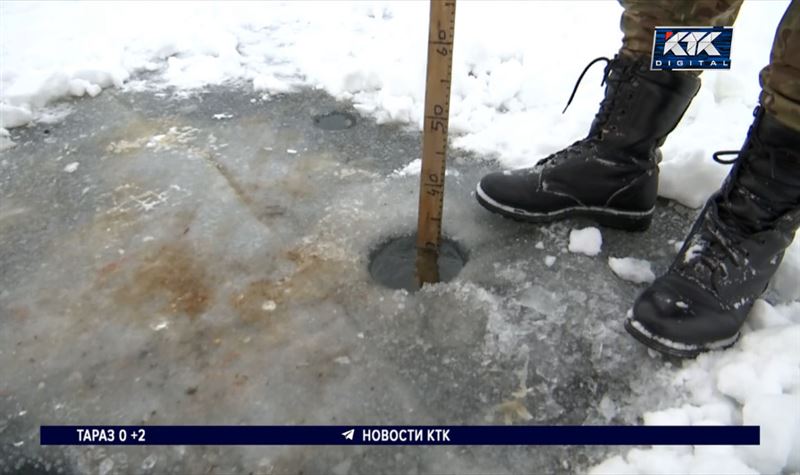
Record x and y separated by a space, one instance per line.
506 104
585 241
414 167
756 382
12 116
499 92
774 414
693 251
638 271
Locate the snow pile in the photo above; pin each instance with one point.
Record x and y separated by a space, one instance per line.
11 116
757 382
509 86
634 270
585 241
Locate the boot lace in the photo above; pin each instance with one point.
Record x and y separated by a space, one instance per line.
605 106
722 243
615 72
714 244
740 161
580 78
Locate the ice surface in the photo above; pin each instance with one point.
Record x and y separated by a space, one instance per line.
192 271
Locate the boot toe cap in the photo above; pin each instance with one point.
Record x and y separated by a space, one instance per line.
501 187
679 311
518 192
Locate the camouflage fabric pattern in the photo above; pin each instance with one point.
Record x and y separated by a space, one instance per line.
642 16
780 80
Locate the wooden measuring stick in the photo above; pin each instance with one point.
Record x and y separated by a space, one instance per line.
434 138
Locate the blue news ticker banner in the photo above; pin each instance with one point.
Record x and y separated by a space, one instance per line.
688 48
399 435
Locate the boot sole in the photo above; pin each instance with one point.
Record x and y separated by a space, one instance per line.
608 217
674 348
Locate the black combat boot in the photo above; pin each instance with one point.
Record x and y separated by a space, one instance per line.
732 251
611 176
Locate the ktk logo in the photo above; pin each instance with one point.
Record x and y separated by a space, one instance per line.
692 48
696 42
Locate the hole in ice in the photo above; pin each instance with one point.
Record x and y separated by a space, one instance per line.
335 121
393 263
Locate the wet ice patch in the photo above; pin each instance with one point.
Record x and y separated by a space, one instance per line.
335 120
174 137
585 241
638 271
542 301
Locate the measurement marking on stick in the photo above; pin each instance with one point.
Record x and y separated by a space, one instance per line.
441 36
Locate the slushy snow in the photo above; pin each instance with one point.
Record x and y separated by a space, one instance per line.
509 86
638 271
585 241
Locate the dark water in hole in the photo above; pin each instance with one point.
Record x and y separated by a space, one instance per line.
335 121
393 263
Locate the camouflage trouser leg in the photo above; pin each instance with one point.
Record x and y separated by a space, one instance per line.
780 81
642 16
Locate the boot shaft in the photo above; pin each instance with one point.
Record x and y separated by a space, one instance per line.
641 107
763 189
